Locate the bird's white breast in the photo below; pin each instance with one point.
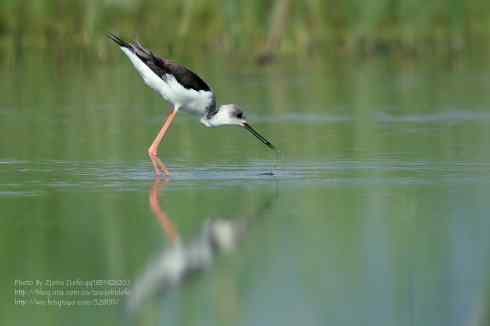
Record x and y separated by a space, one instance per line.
188 100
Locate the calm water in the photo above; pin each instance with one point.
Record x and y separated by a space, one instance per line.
377 213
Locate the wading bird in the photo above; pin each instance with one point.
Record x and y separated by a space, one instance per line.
185 90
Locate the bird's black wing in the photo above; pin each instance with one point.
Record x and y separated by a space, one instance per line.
163 67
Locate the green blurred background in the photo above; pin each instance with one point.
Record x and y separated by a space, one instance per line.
250 28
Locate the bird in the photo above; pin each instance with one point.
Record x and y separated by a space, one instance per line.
185 91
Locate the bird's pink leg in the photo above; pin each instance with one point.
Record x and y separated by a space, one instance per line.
153 150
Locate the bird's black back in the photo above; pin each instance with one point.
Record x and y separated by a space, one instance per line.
163 67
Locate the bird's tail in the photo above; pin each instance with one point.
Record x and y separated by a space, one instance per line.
118 40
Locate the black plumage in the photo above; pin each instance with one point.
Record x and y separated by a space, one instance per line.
162 67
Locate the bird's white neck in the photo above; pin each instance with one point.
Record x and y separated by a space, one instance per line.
213 121
224 116
206 122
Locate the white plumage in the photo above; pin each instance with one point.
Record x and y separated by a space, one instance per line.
188 100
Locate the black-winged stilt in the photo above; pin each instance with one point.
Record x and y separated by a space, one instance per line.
185 90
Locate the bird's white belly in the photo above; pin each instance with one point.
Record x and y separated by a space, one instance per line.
188 100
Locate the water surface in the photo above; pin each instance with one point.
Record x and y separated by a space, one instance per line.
376 211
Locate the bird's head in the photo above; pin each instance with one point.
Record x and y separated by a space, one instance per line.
232 115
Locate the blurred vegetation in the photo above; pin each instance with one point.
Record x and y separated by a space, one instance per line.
252 26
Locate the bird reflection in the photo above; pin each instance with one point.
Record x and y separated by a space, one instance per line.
183 260
162 217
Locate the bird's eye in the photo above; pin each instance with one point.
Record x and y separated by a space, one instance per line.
239 115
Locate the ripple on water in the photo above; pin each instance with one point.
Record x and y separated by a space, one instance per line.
311 118
35 178
434 118
305 118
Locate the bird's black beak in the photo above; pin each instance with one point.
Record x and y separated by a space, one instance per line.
259 136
